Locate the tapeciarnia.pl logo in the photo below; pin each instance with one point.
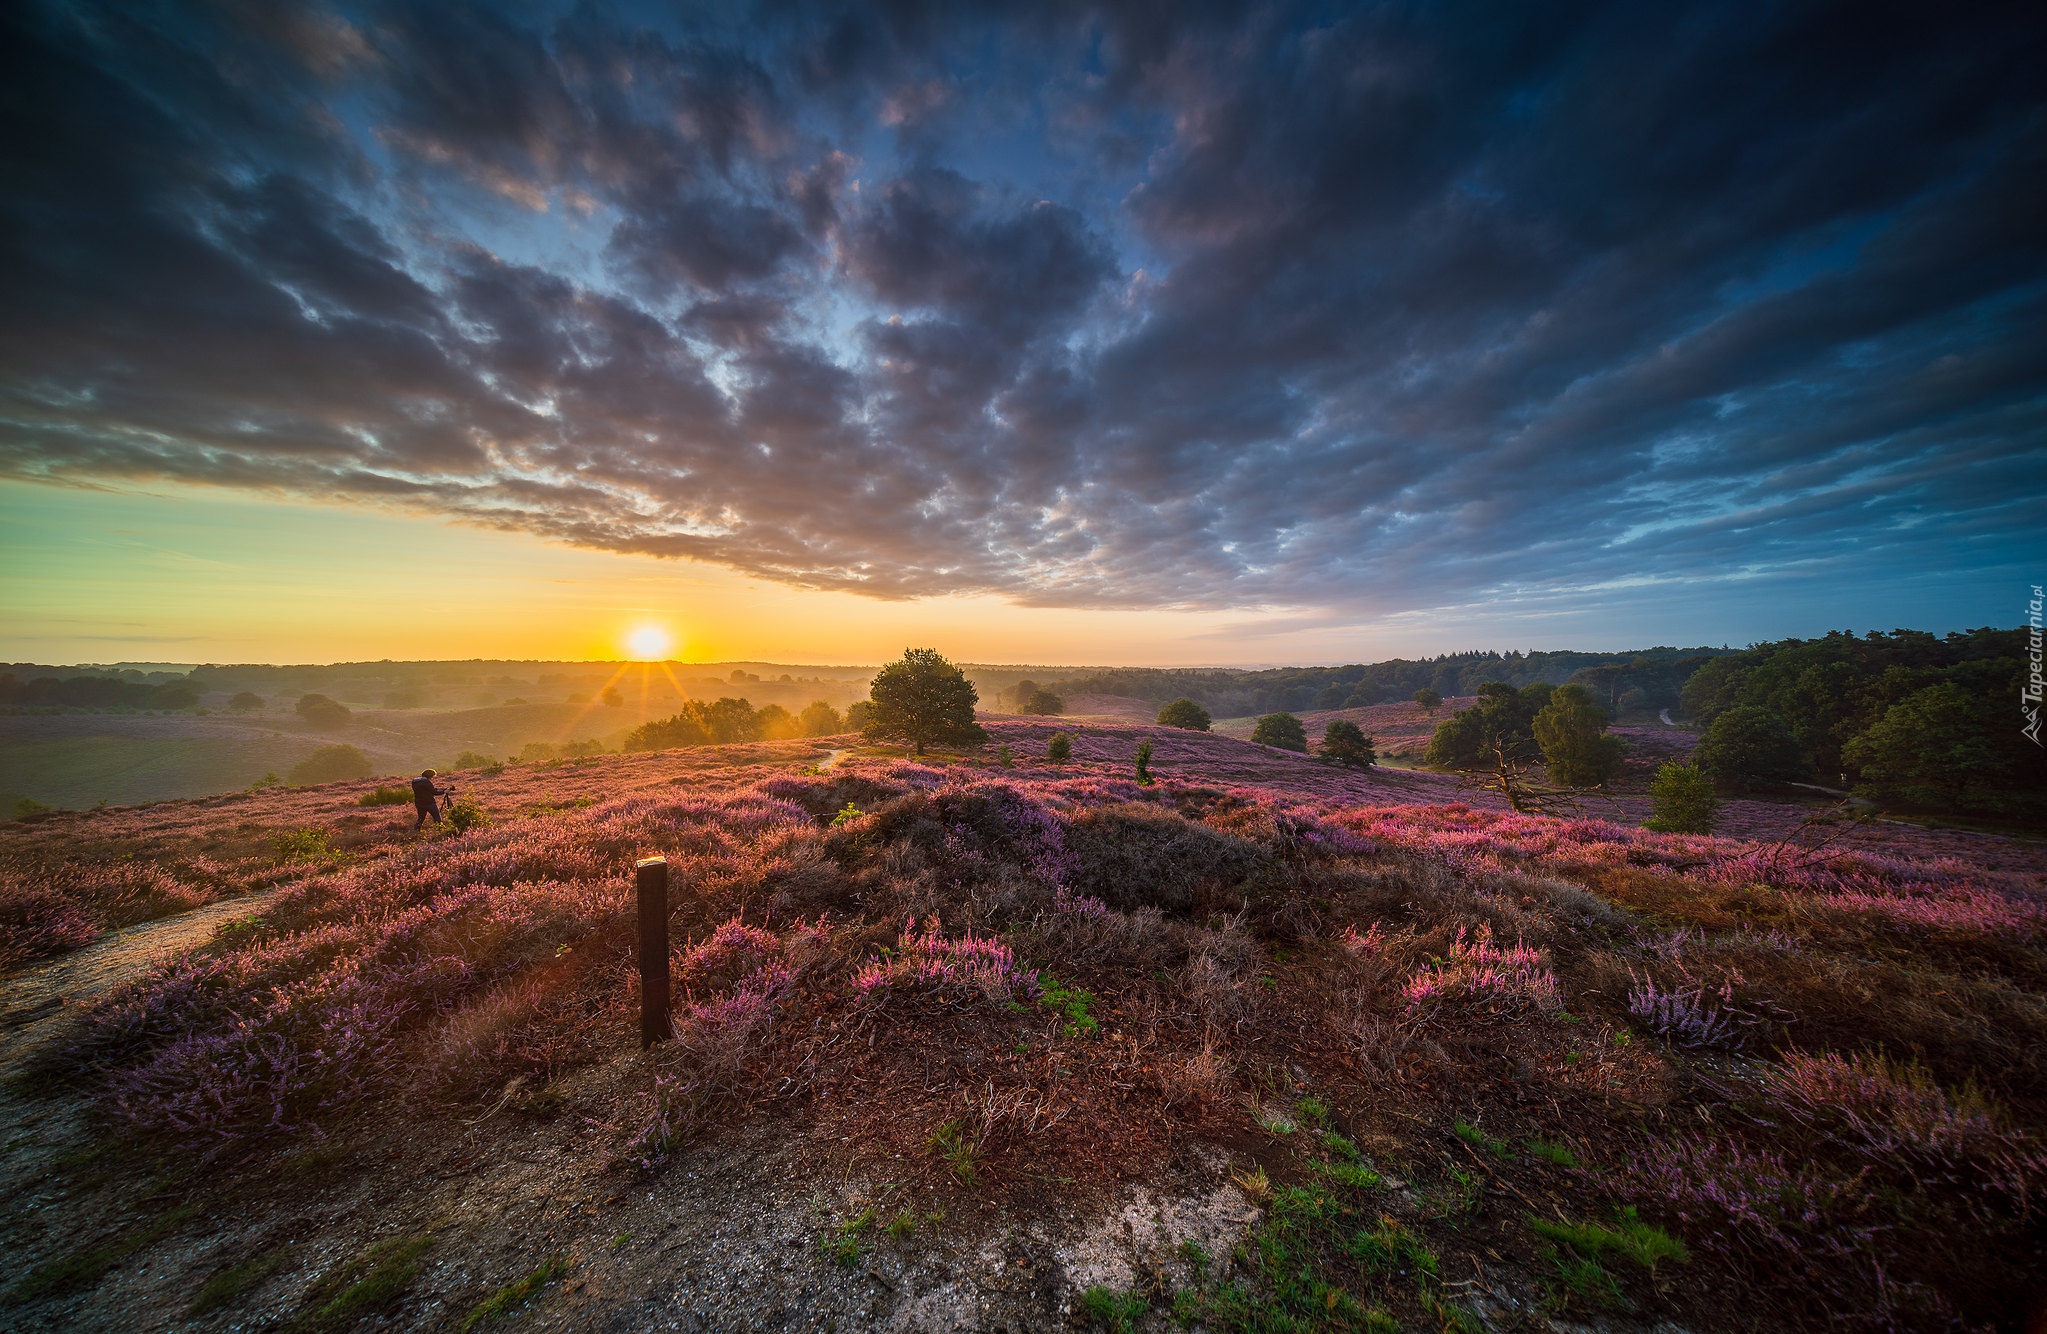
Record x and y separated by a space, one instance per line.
2029 698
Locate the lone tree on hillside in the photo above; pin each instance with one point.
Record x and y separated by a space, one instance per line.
323 713
1428 699
1186 715
922 698
1282 730
246 701
1576 747
1344 742
330 764
1044 704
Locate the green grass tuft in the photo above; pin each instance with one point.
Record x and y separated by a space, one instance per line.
233 1281
515 1294
1644 1243
83 1268
1477 1138
1113 1310
362 1284
1552 1152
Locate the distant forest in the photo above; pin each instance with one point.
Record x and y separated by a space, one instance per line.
1649 678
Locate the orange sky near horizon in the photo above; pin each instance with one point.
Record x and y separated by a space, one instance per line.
174 573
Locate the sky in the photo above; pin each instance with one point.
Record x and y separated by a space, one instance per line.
1142 333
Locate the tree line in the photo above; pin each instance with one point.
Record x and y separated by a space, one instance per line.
1654 672
1927 719
95 692
727 720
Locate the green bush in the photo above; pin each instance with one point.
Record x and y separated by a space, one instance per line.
1144 762
1186 715
331 764
466 815
323 713
1281 730
1749 746
1681 801
1576 747
1060 748
385 796
1344 742
1044 704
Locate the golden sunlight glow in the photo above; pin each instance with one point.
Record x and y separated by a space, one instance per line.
648 643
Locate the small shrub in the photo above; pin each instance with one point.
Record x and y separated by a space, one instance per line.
1144 762
29 806
1060 748
1681 801
466 815
265 783
385 796
846 815
1002 756
302 845
470 759
1070 1002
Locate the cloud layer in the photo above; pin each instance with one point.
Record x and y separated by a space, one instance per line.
1144 305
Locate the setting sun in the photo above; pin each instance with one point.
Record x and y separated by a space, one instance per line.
648 643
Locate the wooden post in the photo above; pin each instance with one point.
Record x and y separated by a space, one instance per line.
652 873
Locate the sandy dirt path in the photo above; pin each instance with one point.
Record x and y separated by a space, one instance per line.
35 1001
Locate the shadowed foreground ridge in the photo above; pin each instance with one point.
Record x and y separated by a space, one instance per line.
967 1045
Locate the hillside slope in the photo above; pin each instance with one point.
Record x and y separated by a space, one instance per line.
1262 1045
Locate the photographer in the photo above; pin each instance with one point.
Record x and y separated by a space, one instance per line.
425 799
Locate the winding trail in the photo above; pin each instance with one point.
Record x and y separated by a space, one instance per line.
34 1002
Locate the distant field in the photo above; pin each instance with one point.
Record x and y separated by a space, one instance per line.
77 759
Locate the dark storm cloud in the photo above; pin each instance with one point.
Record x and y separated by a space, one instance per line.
1362 309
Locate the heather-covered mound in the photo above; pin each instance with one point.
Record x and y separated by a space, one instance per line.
1454 1067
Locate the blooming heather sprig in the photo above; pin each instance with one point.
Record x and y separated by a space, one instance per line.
965 969
1490 976
1694 1016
